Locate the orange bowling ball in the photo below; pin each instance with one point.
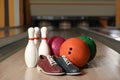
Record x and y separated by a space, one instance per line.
76 50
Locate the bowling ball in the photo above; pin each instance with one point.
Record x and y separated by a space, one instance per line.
50 40
91 45
76 50
55 43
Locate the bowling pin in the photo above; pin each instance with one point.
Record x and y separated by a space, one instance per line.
37 36
44 48
30 51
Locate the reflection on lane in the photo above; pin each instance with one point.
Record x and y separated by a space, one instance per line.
10 32
112 32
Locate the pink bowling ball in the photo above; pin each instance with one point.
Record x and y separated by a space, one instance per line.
55 42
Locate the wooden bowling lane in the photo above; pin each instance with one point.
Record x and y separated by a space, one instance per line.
111 31
105 66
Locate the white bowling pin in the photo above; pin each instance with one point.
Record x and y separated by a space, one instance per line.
37 36
44 48
30 51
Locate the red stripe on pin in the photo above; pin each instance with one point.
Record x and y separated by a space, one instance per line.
30 38
37 38
44 38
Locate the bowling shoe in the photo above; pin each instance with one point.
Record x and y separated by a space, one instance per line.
48 65
67 66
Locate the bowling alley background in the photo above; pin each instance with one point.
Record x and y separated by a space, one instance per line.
14 15
84 32
18 13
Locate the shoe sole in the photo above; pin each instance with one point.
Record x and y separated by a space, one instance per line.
73 74
55 74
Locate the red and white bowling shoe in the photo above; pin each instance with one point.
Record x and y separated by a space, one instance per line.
47 65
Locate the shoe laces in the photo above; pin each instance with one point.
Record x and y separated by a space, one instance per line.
51 60
66 60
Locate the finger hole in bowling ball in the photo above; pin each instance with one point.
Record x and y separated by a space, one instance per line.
69 52
70 48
